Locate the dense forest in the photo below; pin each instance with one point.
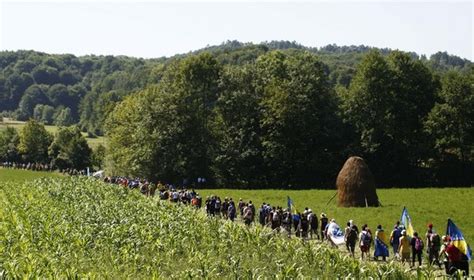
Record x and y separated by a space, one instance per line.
274 114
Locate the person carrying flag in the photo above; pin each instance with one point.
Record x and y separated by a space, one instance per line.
458 251
381 244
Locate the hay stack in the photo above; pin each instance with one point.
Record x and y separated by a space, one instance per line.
355 185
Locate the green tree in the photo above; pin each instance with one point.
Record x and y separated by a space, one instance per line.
9 141
238 159
387 102
34 142
63 117
451 123
299 119
98 157
70 149
164 132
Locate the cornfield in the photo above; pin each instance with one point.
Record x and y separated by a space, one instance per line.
83 228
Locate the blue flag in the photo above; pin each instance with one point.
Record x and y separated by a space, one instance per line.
406 222
291 205
458 239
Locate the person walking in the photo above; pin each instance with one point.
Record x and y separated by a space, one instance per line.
404 248
324 223
365 238
350 236
313 224
433 242
395 239
381 244
417 248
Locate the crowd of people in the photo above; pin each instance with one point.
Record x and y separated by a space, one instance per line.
306 225
310 226
27 166
35 166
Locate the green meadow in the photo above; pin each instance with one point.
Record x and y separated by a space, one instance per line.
93 142
18 175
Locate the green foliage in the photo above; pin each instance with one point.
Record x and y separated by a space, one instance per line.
238 159
9 141
451 123
63 116
274 117
44 113
82 228
98 157
163 131
299 118
243 114
34 142
387 102
69 149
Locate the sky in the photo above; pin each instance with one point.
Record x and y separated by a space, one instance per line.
159 28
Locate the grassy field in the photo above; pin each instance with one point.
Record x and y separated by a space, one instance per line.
425 205
82 228
17 175
93 142
115 233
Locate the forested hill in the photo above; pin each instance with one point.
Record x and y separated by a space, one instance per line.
65 89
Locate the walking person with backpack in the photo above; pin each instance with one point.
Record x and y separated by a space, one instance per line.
324 223
313 224
395 238
231 211
350 236
417 248
365 238
433 242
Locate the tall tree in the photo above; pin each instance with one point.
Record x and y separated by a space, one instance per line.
451 123
70 149
34 142
168 123
238 159
8 144
299 119
387 102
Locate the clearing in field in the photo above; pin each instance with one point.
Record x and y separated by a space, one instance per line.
93 142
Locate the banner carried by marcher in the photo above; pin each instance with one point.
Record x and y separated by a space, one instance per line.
406 222
335 233
291 205
456 236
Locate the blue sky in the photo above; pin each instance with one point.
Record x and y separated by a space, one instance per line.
154 29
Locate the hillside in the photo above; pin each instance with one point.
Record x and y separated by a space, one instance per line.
65 89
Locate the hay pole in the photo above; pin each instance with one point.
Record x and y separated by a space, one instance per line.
331 199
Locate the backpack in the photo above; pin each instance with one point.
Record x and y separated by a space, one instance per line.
418 244
275 217
352 236
366 239
435 240
313 221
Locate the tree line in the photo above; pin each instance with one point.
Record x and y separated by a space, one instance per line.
65 89
274 114
66 149
279 121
